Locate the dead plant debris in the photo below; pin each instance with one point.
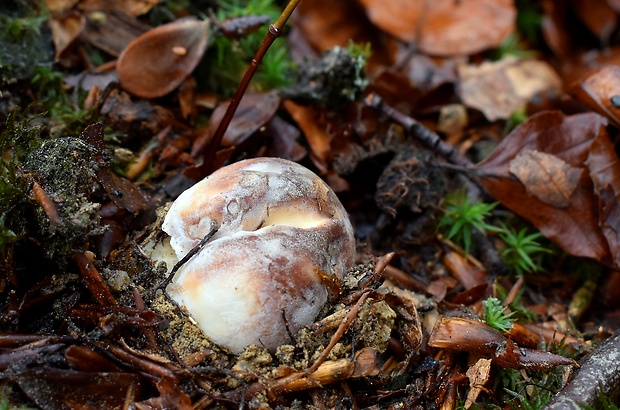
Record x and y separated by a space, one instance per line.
474 144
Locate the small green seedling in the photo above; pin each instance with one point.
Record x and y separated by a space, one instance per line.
462 218
495 315
521 249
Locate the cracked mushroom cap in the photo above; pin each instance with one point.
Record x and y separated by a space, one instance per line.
283 245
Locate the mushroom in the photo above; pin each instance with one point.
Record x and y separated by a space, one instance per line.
283 245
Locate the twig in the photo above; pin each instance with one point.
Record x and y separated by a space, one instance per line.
599 372
427 137
187 257
46 203
149 333
344 325
275 31
92 278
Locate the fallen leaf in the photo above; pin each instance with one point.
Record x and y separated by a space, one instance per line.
131 7
581 143
255 110
600 91
500 88
554 27
149 67
546 177
318 138
445 27
478 376
66 29
400 18
112 31
468 274
52 388
610 221
343 23
598 16
511 356
285 138
59 5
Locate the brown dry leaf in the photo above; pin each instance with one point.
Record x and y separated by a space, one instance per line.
159 60
400 18
499 89
254 111
614 4
343 22
598 16
546 177
112 31
610 221
576 227
59 5
66 29
445 27
554 27
604 167
131 7
468 274
52 388
478 376
319 140
285 138
511 356
600 90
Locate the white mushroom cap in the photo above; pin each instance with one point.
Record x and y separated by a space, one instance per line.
284 238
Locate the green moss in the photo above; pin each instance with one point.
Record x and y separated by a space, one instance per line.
227 59
25 41
19 134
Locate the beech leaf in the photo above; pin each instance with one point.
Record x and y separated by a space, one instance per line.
599 90
159 60
581 143
445 27
500 88
546 177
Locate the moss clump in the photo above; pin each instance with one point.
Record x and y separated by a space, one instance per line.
19 135
66 168
25 41
335 80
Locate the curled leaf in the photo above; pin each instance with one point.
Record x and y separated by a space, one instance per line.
159 60
600 91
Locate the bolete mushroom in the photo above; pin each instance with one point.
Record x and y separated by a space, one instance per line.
284 243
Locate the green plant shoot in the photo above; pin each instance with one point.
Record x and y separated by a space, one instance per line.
521 249
495 315
462 218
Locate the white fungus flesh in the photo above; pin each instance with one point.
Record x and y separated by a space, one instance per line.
283 240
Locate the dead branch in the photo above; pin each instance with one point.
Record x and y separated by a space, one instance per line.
599 373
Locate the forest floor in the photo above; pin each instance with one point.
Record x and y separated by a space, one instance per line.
473 143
